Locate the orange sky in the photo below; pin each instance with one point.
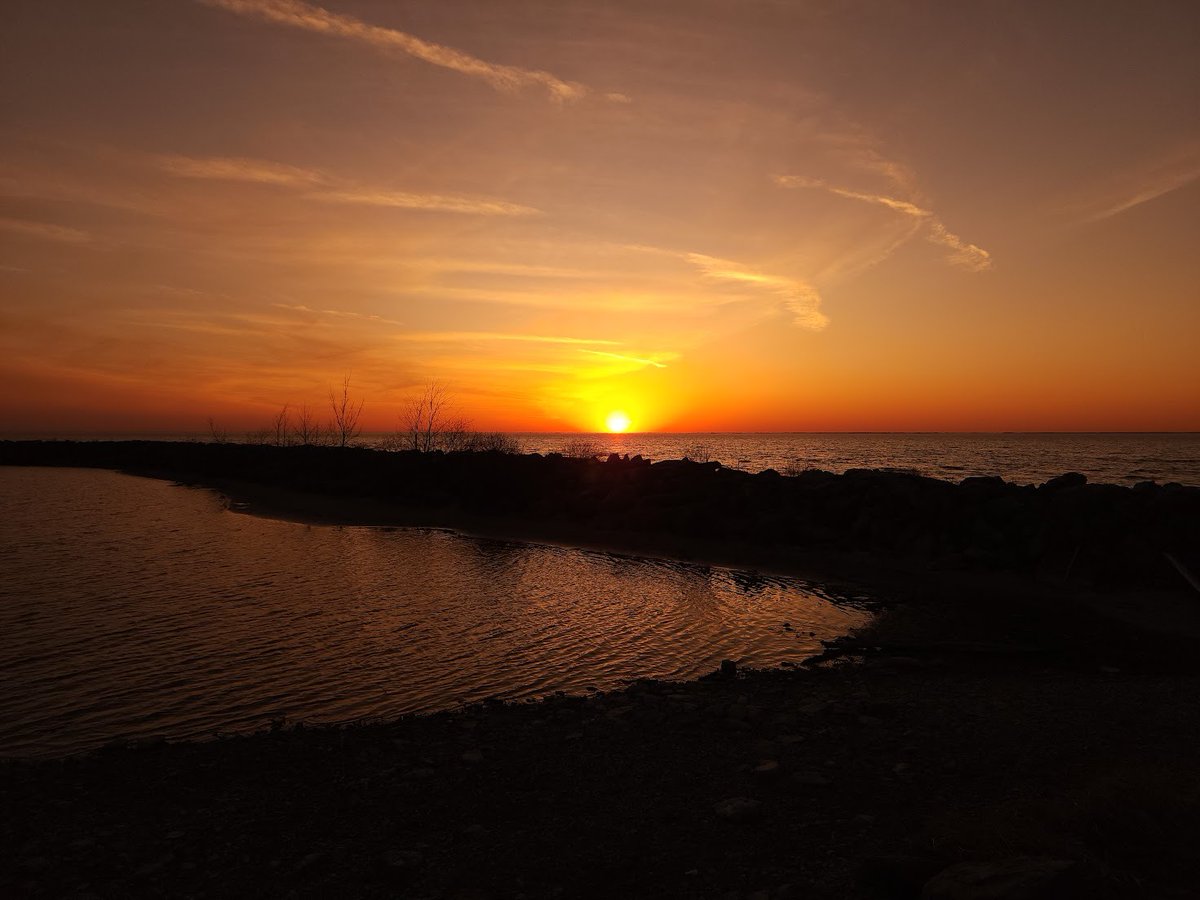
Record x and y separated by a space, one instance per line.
711 214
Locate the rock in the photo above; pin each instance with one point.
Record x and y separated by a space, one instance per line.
728 668
402 859
984 484
766 749
809 777
878 708
896 875
1019 878
1060 482
738 809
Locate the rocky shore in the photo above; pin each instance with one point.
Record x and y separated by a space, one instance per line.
1065 532
1005 733
949 775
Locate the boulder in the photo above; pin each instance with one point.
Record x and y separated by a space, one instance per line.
1018 878
738 808
1061 482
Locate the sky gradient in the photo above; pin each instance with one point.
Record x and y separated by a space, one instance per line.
712 215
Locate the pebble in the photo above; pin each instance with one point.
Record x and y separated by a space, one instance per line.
738 808
815 778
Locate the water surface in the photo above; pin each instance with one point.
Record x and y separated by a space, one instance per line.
130 607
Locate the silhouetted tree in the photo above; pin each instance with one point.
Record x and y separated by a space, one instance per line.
427 424
219 435
282 434
345 415
423 418
307 430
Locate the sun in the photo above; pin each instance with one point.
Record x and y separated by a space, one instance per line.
617 422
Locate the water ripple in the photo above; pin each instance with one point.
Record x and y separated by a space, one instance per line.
132 608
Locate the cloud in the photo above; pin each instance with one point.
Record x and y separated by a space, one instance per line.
239 169
456 336
333 189
964 254
45 231
309 17
480 206
625 358
856 148
1148 181
336 313
799 298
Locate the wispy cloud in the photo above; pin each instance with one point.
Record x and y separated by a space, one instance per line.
856 148
332 189
297 14
336 313
963 253
799 298
46 231
462 336
238 169
623 357
480 206
1148 181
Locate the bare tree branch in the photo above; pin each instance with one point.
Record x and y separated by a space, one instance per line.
282 434
345 415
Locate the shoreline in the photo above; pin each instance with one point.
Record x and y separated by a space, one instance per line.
865 780
984 722
885 583
883 526
300 507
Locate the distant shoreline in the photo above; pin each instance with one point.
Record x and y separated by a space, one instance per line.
1123 458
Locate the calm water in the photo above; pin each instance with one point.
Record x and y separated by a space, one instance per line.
130 607
1022 458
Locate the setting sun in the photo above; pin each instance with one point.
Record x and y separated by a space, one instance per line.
617 422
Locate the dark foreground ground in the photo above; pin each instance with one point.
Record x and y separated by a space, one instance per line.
1064 767
1022 727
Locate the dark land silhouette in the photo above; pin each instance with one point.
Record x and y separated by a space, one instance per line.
1018 723
1063 532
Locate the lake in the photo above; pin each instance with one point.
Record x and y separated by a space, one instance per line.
132 608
